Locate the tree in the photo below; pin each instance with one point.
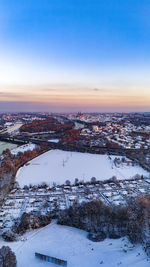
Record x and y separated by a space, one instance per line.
7 257
76 182
93 180
68 182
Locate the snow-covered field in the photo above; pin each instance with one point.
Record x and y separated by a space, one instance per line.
23 148
58 166
53 140
72 244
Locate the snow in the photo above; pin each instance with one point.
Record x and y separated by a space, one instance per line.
53 140
5 145
58 166
23 148
72 244
13 128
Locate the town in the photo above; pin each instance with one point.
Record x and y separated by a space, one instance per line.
52 200
50 163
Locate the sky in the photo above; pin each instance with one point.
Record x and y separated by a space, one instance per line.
75 55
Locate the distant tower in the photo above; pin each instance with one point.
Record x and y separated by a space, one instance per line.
79 115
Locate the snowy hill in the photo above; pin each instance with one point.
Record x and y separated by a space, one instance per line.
72 245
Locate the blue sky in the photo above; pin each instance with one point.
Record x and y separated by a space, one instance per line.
71 47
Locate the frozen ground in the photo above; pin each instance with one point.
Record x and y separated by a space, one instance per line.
58 166
23 148
5 145
13 128
73 245
53 140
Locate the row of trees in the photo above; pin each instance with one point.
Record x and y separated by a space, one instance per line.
70 137
46 125
10 164
95 217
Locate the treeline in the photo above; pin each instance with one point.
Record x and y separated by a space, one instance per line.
142 157
70 137
103 221
28 221
46 125
9 165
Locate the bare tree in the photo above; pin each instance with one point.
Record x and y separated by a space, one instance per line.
93 180
7 257
68 182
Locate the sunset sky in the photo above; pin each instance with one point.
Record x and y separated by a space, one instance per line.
74 55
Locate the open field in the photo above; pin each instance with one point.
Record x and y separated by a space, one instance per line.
58 166
72 244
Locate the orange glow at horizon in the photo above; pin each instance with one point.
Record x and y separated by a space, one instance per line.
77 97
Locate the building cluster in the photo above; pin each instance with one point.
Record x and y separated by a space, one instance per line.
118 130
128 131
52 200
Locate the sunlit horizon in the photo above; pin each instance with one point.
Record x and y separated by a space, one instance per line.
74 56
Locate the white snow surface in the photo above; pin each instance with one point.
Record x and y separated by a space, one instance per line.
23 148
58 166
54 140
72 244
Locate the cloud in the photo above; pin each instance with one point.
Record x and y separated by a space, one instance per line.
97 89
101 90
48 90
10 95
